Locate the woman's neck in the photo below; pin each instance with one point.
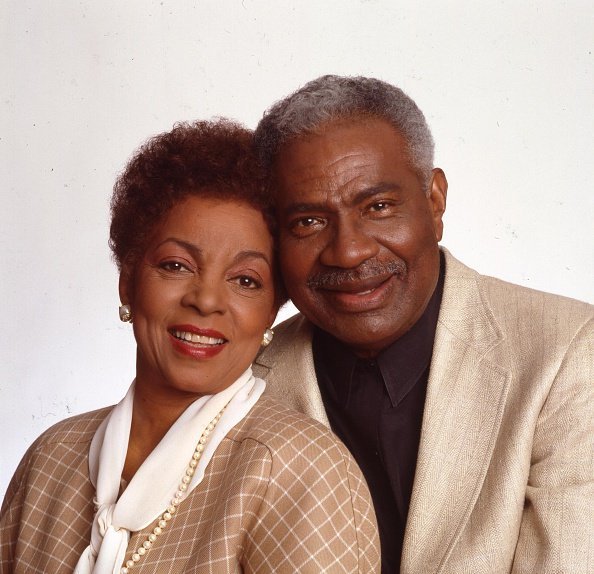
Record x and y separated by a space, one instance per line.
154 413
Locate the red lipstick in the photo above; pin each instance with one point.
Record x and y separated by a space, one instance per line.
195 342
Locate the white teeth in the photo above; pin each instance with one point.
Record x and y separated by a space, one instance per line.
195 338
366 292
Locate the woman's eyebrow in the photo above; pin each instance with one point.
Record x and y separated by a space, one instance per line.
191 247
251 254
239 257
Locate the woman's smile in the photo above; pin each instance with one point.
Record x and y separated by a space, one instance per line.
199 344
204 337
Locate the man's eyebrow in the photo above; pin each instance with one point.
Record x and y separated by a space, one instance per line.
303 207
368 192
373 190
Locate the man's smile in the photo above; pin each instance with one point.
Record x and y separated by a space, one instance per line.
359 296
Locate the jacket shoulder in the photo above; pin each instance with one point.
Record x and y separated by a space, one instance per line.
511 303
64 445
314 499
285 431
76 429
538 310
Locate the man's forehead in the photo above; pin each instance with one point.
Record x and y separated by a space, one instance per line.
337 167
340 154
336 140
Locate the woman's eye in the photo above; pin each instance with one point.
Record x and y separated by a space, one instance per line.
248 282
174 266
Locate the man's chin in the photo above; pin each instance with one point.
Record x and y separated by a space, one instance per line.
366 333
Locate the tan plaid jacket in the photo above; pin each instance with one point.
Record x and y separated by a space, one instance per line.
505 472
281 495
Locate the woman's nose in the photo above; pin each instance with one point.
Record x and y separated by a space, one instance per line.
349 245
205 296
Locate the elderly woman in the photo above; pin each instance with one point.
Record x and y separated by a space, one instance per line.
194 470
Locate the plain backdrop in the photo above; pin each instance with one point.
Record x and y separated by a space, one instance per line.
507 88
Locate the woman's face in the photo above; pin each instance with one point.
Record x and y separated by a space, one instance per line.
201 297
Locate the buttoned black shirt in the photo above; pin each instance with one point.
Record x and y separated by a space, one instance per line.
376 407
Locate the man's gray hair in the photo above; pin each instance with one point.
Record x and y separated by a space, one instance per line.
335 97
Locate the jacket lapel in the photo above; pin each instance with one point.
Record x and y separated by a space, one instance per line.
463 411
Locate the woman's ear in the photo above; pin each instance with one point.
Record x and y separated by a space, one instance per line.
274 313
126 285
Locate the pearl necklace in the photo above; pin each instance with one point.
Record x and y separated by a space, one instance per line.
175 501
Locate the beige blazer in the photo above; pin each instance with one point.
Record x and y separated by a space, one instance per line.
505 472
280 495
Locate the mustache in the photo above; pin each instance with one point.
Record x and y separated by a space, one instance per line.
367 269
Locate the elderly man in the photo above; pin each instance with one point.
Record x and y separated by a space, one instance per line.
468 402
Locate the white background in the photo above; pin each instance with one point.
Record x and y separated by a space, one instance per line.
507 88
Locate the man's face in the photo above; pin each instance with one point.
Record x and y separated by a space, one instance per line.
359 233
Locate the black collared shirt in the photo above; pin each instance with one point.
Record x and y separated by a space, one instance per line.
376 408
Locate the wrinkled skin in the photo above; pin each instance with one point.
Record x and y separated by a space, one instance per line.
358 232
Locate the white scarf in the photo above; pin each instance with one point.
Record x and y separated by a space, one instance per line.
151 489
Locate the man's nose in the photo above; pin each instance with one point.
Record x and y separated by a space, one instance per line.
349 245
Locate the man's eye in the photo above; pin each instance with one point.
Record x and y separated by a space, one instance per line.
379 206
306 225
306 222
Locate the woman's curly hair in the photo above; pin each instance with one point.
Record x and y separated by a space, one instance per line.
204 158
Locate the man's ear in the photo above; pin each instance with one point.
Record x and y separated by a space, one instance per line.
437 195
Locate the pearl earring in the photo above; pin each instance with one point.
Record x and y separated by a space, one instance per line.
267 337
125 313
